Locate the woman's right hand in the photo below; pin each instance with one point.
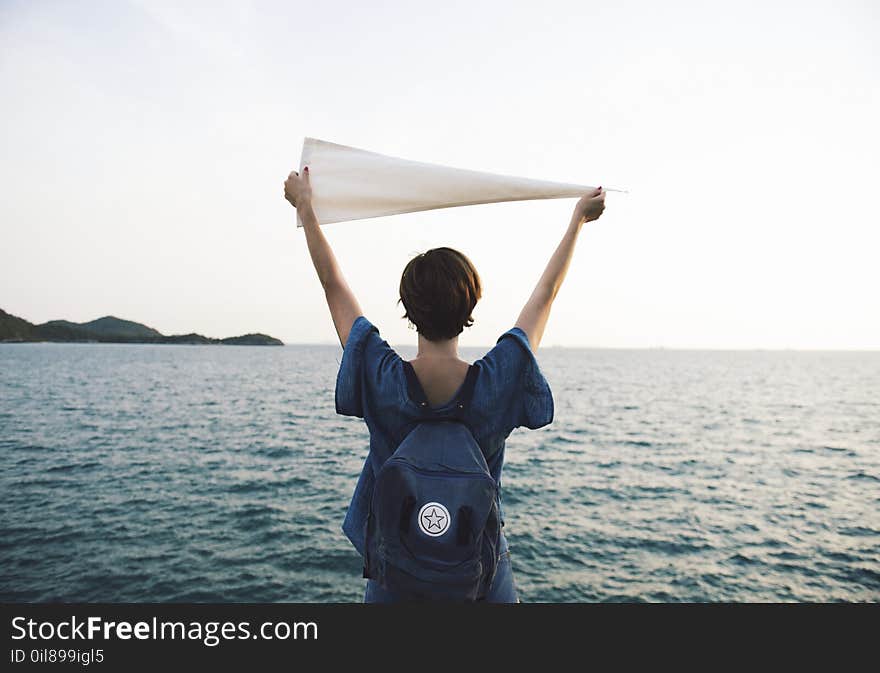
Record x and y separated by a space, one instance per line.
298 189
590 207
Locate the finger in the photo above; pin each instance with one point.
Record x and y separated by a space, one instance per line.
306 174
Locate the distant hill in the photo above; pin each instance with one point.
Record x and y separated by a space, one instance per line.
118 327
252 340
110 329
107 326
13 328
62 330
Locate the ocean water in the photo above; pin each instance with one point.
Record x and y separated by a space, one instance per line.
193 473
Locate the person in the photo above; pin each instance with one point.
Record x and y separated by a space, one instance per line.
438 290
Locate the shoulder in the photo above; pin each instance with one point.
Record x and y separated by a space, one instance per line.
511 384
369 367
361 331
511 351
517 336
365 340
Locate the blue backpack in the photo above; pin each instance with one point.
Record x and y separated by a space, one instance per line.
433 528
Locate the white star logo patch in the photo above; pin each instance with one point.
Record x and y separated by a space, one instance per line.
434 519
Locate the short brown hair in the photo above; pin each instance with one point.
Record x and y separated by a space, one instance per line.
439 290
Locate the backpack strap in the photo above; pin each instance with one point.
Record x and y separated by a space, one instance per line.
467 388
462 401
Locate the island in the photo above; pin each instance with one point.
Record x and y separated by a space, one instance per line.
110 329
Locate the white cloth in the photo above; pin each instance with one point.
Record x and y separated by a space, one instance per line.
354 184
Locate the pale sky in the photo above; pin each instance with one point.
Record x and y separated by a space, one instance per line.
144 146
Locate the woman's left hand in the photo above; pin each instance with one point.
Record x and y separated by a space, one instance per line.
298 188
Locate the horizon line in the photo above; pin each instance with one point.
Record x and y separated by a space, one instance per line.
633 348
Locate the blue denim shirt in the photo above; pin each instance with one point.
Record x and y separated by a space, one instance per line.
509 392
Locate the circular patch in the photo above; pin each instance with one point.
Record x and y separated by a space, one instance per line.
434 519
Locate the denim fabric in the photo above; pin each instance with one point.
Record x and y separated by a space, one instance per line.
503 589
510 392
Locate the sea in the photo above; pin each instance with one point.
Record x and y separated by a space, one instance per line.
166 473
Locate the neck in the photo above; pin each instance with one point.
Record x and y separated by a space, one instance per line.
447 348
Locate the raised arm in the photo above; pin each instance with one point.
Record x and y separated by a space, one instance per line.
533 318
344 307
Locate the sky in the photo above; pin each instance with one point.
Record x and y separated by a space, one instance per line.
144 147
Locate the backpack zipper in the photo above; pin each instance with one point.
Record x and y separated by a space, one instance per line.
439 474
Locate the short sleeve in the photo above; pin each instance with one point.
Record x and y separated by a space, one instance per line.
517 382
363 357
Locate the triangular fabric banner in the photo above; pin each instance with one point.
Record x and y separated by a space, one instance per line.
354 184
